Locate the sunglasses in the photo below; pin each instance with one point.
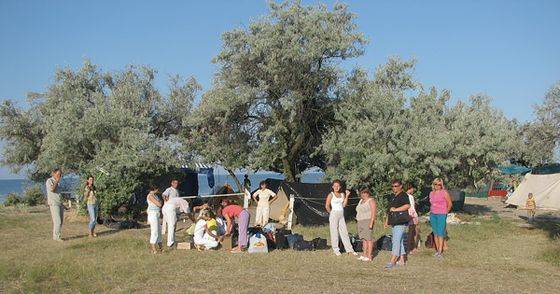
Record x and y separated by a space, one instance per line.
396 186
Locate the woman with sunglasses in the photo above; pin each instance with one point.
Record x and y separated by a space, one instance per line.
440 206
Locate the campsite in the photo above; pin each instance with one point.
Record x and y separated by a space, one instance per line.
279 146
495 256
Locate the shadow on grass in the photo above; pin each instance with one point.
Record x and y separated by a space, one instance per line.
103 233
476 209
550 224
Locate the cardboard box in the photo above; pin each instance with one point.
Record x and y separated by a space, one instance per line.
227 243
185 245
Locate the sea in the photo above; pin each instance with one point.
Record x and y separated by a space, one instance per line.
19 185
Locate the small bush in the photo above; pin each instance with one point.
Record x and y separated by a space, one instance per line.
33 196
12 199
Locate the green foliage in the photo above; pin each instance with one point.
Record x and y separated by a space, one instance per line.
89 119
390 127
541 137
12 199
274 92
33 196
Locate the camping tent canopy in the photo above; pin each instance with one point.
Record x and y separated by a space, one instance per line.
545 189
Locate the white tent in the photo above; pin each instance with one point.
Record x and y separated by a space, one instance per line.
545 189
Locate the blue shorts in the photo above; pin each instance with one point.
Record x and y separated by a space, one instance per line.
438 222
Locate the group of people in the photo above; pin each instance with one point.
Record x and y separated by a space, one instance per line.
210 227
401 213
56 204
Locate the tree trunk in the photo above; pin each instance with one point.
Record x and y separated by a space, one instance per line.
289 170
235 179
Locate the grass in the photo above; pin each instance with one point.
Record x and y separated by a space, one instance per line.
495 256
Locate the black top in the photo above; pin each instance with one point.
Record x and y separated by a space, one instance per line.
398 200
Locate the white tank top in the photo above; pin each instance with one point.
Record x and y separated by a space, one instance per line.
336 202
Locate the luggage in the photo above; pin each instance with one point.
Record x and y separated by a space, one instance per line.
354 240
320 244
280 239
384 243
302 245
292 239
270 241
257 243
430 241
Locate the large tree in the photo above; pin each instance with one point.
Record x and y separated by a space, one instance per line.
89 120
276 87
390 127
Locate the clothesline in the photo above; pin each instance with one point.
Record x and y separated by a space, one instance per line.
212 196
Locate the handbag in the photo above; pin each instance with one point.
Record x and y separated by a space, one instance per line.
398 218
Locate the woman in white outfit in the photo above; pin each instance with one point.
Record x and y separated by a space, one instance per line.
154 205
169 210
265 197
335 203
205 237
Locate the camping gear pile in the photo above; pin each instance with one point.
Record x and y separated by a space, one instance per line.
262 240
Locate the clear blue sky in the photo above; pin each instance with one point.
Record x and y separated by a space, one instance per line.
509 50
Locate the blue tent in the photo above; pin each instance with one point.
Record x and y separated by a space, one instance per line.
514 170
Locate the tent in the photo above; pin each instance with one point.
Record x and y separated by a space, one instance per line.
309 202
545 188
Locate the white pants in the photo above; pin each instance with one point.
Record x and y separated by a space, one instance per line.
207 241
169 222
263 213
337 226
155 227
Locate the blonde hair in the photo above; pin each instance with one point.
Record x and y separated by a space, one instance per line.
437 181
205 213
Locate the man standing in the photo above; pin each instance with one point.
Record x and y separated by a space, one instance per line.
55 202
169 210
169 193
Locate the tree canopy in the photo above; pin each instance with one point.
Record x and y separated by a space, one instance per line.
89 120
281 100
276 87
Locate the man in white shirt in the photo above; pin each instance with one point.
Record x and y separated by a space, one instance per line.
170 210
55 202
169 193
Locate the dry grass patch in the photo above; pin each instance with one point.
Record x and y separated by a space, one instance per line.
495 256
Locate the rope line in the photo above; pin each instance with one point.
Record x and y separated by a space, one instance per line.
213 196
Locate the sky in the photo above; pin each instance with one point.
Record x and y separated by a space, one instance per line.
508 50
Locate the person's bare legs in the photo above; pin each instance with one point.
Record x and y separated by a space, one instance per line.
369 248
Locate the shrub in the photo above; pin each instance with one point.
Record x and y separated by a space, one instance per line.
12 199
33 196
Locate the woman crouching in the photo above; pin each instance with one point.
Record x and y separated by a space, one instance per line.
206 231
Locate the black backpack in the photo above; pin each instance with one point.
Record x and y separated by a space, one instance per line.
320 244
302 245
384 243
293 238
280 239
